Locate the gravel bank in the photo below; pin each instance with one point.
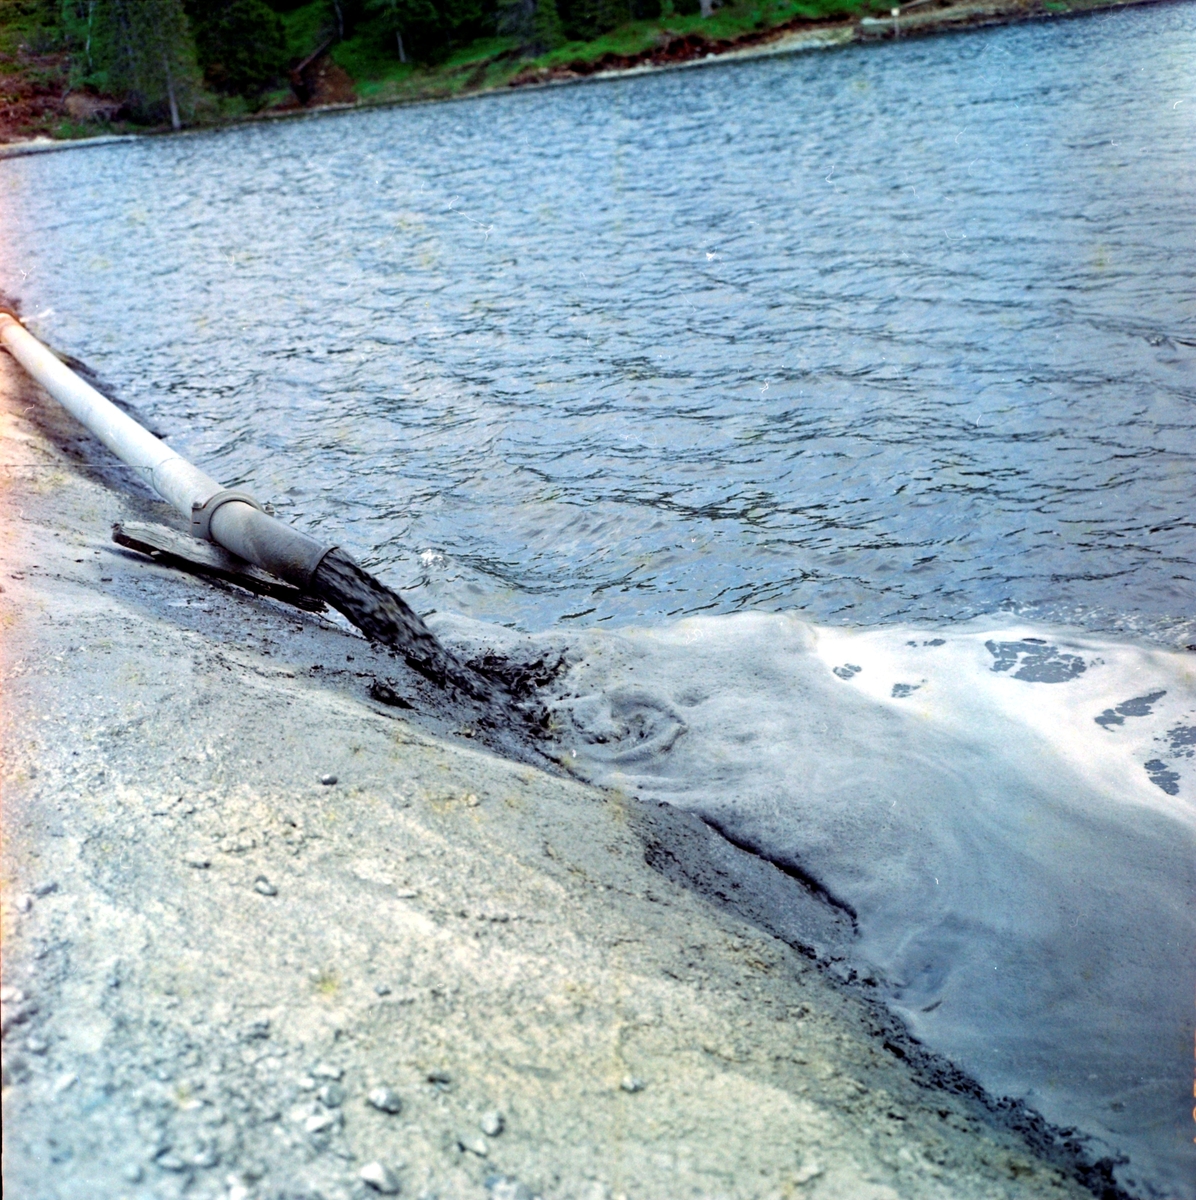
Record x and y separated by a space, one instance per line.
268 937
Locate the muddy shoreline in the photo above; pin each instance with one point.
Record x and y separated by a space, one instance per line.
243 889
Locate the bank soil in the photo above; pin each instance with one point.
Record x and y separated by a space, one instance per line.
276 924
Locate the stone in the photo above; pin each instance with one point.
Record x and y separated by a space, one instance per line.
382 989
320 1122
205 1158
631 1084
331 1095
503 1187
169 1161
385 1099
36 1045
24 903
132 1173
197 859
328 780
473 1144
46 889
809 1170
264 887
492 1123
380 1178
323 1070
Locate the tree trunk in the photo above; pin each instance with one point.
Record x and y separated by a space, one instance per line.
175 123
707 7
91 8
340 20
402 52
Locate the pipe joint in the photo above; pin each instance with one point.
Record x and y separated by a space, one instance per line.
259 538
203 511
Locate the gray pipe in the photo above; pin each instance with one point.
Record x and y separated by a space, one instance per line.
231 518
235 520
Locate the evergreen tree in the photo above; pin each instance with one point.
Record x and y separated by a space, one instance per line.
241 44
536 23
424 28
143 50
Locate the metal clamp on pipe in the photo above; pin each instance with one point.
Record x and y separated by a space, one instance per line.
259 538
229 517
202 511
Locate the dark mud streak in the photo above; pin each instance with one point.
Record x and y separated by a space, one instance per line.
746 884
387 619
814 886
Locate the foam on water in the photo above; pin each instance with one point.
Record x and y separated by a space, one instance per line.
1009 811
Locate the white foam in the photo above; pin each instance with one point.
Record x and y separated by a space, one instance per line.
1009 809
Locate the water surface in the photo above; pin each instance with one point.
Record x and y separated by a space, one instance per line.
898 333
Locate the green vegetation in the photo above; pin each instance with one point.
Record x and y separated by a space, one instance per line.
74 67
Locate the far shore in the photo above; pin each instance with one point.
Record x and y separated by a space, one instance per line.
918 18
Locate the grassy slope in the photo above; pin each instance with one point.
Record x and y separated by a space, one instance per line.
495 62
492 62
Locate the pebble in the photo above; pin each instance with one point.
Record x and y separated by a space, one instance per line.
328 780
385 1099
809 1170
380 1178
382 989
502 1187
197 860
46 889
133 1173
205 1158
492 1123
331 1095
318 1122
11 995
325 1070
170 1162
632 1084
24 903
65 1082
264 887
36 1045
475 1145
257 1029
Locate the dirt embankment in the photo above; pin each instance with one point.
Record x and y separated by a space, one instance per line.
918 18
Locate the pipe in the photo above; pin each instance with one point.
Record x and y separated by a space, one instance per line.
231 518
234 520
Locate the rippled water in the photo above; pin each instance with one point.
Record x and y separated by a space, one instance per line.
896 337
892 333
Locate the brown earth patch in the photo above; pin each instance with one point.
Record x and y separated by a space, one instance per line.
319 80
32 94
670 49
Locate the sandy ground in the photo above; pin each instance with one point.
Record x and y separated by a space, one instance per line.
212 960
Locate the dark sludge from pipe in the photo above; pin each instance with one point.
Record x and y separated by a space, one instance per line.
386 618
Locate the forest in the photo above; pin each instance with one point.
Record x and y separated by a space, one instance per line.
74 67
